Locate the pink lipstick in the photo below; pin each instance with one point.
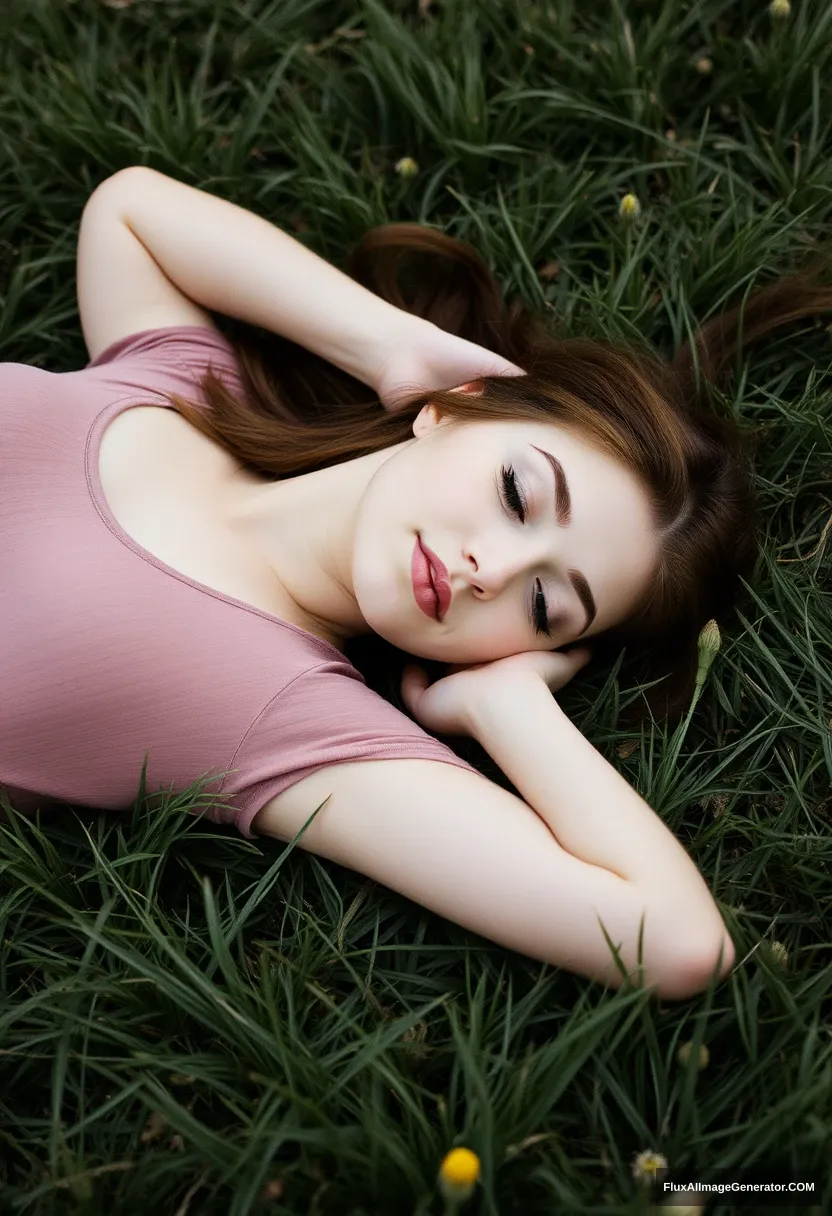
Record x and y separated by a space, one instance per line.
431 587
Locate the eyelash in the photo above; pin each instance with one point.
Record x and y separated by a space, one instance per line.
539 613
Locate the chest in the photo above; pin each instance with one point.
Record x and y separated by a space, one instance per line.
166 485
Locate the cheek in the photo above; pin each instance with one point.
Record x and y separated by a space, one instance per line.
495 628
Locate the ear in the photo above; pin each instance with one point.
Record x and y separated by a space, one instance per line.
426 420
429 415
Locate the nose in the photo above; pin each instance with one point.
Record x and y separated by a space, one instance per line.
492 569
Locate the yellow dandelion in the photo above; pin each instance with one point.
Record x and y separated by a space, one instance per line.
406 167
459 1174
684 1053
647 1164
779 953
629 209
780 9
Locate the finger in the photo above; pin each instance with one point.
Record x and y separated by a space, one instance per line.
574 660
506 369
574 653
580 656
414 683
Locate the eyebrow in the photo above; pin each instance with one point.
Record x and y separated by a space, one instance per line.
563 514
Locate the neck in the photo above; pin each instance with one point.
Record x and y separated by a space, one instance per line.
304 529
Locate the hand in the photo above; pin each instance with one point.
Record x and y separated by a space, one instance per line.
447 706
424 357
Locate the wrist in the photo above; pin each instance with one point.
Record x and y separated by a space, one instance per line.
508 702
362 343
396 334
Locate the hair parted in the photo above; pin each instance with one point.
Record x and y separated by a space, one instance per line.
654 416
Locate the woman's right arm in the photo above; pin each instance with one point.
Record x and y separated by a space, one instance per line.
211 254
229 260
457 843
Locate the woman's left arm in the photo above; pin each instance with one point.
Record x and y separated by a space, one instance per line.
229 260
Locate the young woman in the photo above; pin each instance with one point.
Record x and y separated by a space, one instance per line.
191 533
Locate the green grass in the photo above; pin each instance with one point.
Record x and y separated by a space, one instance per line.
194 1023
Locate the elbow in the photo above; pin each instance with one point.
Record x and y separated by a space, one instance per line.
116 180
694 967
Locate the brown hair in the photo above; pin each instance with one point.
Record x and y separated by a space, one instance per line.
655 416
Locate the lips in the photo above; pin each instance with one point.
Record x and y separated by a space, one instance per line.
431 587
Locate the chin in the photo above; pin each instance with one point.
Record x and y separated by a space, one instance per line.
383 625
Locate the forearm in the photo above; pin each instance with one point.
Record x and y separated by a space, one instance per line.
231 261
590 809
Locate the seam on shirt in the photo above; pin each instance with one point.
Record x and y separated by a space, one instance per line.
444 753
129 340
87 451
263 709
395 751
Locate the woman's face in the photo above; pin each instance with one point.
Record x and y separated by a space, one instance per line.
460 490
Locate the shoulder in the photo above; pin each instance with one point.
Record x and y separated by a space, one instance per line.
168 359
167 344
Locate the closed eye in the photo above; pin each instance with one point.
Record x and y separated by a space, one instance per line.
539 613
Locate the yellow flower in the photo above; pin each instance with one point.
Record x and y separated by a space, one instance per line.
629 208
459 1174
684 1053
406 167
780 8
646 1164
709 643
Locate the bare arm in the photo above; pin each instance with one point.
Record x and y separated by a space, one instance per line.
593 813
462 846
231 261
153 252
